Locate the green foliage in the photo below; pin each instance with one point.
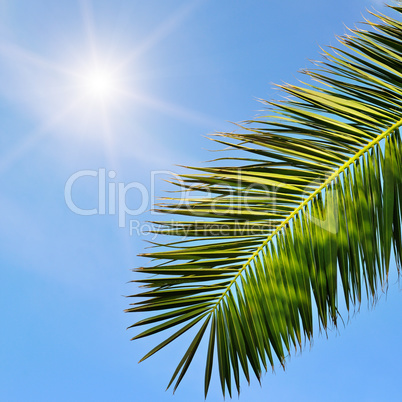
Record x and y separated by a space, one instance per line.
314 199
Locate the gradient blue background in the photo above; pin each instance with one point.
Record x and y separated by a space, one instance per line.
192 67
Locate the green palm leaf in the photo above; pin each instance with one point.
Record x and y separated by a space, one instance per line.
316 198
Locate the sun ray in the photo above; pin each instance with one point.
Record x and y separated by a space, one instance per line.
17 54
162 31
33 138
89 26
173 110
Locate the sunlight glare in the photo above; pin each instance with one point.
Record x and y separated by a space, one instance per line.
99 84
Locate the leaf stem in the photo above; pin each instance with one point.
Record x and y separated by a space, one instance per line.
307 200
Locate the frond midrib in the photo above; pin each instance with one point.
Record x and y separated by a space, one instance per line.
333 176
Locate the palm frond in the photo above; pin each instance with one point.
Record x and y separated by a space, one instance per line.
315 196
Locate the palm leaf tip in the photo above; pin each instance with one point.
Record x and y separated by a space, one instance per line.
311 212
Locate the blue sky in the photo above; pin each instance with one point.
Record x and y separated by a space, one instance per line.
178 70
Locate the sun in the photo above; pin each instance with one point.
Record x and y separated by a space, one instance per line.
99 83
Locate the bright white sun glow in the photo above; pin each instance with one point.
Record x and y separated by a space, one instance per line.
100 84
